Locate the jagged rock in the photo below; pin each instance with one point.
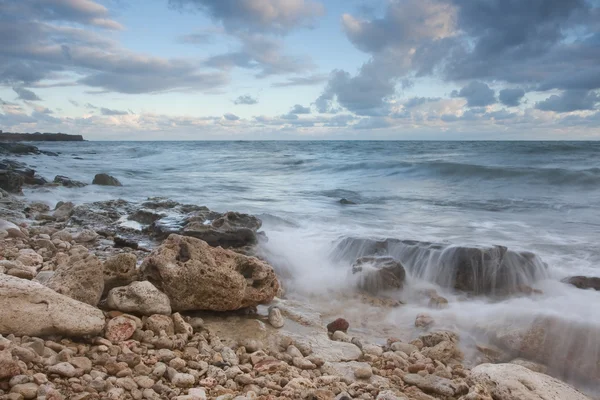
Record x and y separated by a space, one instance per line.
514 382
121 242
16 268
432 384
8 229
229 230
584 282
106 180
86 236
11 181
139 298
197 276
68 182
376 274
158 322
120 270
145 217
80 279
28 308
63 211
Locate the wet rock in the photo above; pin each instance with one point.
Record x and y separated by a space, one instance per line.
229 230
119 329
514 382
11 181
376 274
80 279
121 242
584 282
346 202
196 276
86 236
119 270
22 302
145 217
139 298
68 182
339 324
63 211
275 318
423 321
106 180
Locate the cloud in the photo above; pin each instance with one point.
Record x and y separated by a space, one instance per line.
25 94
196 38
511 97
299 109
108 111
276 16
39 109
75 103
570 100
302 81
245 99
231 117
478 94
418 101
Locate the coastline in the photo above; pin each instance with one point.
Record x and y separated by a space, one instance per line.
282 351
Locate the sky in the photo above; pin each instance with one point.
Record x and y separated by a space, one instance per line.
301 69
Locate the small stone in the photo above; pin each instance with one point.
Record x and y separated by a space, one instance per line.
83 363
86 236
423 321
303 363
363 372
183 380
119 329
27 390
340 336
144 382
373 350
157 323
63 369
339 324
404 347
275 318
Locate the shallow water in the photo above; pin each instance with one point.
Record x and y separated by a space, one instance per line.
542 197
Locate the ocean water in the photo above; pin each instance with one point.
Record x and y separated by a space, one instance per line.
541 197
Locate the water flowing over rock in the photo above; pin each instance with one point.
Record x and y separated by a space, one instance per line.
139 298
197 276
514 382
376 274
68 182
28 308
584 282
106 180
228 230
81 279
477 270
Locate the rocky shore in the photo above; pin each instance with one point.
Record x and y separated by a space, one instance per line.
162 300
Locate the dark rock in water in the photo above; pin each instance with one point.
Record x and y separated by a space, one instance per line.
106 180
145 217
102 215
477 270
345 201
28 174
339 324
68 182
18 148
124 242
159 202
77 158
378 274
584 282
11 181
229 230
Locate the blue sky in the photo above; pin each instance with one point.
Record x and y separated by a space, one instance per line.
301 69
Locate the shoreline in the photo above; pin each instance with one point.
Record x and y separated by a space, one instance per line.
227 353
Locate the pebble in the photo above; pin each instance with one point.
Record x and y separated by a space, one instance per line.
63 369
275 318
27 390
119 329
183 380
363 372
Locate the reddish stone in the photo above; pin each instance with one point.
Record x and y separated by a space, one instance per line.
339 324
119 329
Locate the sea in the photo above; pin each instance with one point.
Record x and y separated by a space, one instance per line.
538 197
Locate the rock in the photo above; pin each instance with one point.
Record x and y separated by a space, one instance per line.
340 336
275 318
183 380
432 384
86 236
8 367
157 323
196 276
22 302
106 180
514 382
406 348
145 217
443 351
29 258
535 367
339 324
584 282
43 277
228 230
121 242
119 329
16 268
63 212
27 390
363 372
8 229
376 274
423 321
11 181
80 279
68 182
63 369
120 270
389 395
373 350
139 298
346 202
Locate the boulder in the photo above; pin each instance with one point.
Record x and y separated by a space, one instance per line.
120 270
81 278
228 230
63 211
140 298
11 181
196 276
8 229
68 182
106 180
376 274
514 382
584 282
29 308
145 217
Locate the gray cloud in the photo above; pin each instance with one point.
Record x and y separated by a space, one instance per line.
511 97
231 117
302 81
196 38
299 109
279 16
570 100
245 99
75 103
477 94
417 101
108 111
25 94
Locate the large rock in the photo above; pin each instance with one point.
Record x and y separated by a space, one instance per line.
514 382
28 308
139 298
8 229
120 270
197 276
106 180
11 181
376 274
584 282
228 230
68 182
81 278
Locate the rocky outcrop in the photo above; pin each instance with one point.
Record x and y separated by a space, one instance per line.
37 137
377 274
80 279
11 181
120 270
514 382
140 298
584 282
196 276
106 180
28 308
68 182
19 168
228 230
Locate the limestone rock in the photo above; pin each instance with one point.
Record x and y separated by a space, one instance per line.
431 384
377 274
196 276
86 236
157 323
63 211
81 279
227 230
584 282
119 329
139 298
275 318
8 229
22 302
120 270
106 180
8 366
68 182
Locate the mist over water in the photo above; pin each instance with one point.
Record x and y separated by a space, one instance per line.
537 197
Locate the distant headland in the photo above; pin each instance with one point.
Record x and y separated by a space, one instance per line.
39 137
